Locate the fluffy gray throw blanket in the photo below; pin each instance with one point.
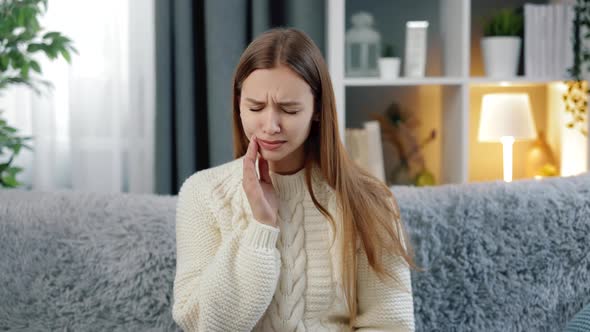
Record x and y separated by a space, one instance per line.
497 257
500 257
74 261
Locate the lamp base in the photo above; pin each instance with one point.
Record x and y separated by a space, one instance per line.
507 143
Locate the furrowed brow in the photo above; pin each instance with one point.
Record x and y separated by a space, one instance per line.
283 104
289 103
254 101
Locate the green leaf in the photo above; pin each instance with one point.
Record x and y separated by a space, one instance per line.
66 55
16 50
15 170
17 59
10 181
5 166
72 49
20 18
51 35
16 148
4 62
50 52
24 71
32 48
35 66
505 22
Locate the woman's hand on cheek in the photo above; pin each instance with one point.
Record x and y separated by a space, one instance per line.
261 194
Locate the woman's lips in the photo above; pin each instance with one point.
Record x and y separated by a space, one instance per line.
270 146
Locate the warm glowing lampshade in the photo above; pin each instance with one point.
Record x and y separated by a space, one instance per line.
506 117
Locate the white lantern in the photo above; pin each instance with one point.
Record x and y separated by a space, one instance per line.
363 47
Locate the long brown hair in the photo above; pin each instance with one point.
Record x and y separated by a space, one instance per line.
367 206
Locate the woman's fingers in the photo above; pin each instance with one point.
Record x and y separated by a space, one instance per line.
260 193
250 162
252 149
264 170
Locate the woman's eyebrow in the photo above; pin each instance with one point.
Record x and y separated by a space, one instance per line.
283 103
254 101
289 103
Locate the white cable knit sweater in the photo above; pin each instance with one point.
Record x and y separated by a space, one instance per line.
234 273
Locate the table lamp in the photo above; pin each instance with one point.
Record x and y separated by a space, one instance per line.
506 117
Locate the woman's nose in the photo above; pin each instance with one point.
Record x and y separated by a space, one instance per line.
272 122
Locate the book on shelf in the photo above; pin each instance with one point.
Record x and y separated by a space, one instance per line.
365 147
547 40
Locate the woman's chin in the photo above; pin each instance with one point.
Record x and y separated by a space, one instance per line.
272 155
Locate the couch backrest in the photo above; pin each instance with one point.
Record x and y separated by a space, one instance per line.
496 257
75 261
499 256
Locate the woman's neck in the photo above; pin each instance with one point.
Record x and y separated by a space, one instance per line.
288 171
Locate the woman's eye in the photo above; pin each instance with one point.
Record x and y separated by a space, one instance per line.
255 109
290 112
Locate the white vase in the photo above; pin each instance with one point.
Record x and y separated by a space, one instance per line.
501 55
389 68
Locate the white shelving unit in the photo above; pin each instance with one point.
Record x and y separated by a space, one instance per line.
455 81
403 81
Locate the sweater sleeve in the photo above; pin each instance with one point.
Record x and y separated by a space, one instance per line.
221 283
384 306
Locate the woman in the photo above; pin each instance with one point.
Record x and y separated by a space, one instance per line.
292 235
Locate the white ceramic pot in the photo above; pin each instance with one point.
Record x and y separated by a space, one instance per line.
501 55
389 67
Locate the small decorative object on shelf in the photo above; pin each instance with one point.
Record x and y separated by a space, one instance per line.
403 159
416 43
388 63
548 170
425 178
501 44
540 159
363 47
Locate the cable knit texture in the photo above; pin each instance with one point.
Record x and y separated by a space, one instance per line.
234 273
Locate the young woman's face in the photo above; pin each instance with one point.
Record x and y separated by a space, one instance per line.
276 105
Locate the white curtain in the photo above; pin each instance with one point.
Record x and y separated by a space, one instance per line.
95 130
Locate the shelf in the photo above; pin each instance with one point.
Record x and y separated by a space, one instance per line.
513 81
448 99
484 81
403 81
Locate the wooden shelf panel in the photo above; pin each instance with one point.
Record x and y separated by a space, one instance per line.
512 81
403 81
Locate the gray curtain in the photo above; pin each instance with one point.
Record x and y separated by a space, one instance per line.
198 46
181 98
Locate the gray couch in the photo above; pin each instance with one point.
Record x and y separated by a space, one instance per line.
496 257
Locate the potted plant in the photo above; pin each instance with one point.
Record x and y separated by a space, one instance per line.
389 64
501 43
22 40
